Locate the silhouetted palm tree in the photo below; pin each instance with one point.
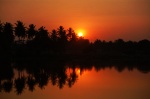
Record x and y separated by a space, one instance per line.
72 37
31 32
54 36
42 34
20 30
62 34
62 40
8 36
6 40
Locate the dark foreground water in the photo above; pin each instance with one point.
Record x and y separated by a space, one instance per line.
74 81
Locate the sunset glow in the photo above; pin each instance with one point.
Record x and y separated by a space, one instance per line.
106 20
80 34
75 49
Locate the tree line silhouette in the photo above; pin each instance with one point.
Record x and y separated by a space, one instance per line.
20 42
46 56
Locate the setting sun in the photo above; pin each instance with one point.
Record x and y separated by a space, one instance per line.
80 34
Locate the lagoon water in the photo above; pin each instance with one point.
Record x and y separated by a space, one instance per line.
76 82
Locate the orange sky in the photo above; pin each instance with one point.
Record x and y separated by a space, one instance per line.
102 19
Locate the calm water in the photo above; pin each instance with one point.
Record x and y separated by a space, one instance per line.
74 82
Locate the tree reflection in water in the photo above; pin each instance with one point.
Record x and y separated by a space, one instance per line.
58 74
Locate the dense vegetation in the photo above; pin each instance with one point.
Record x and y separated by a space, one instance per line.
20 42
46 56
